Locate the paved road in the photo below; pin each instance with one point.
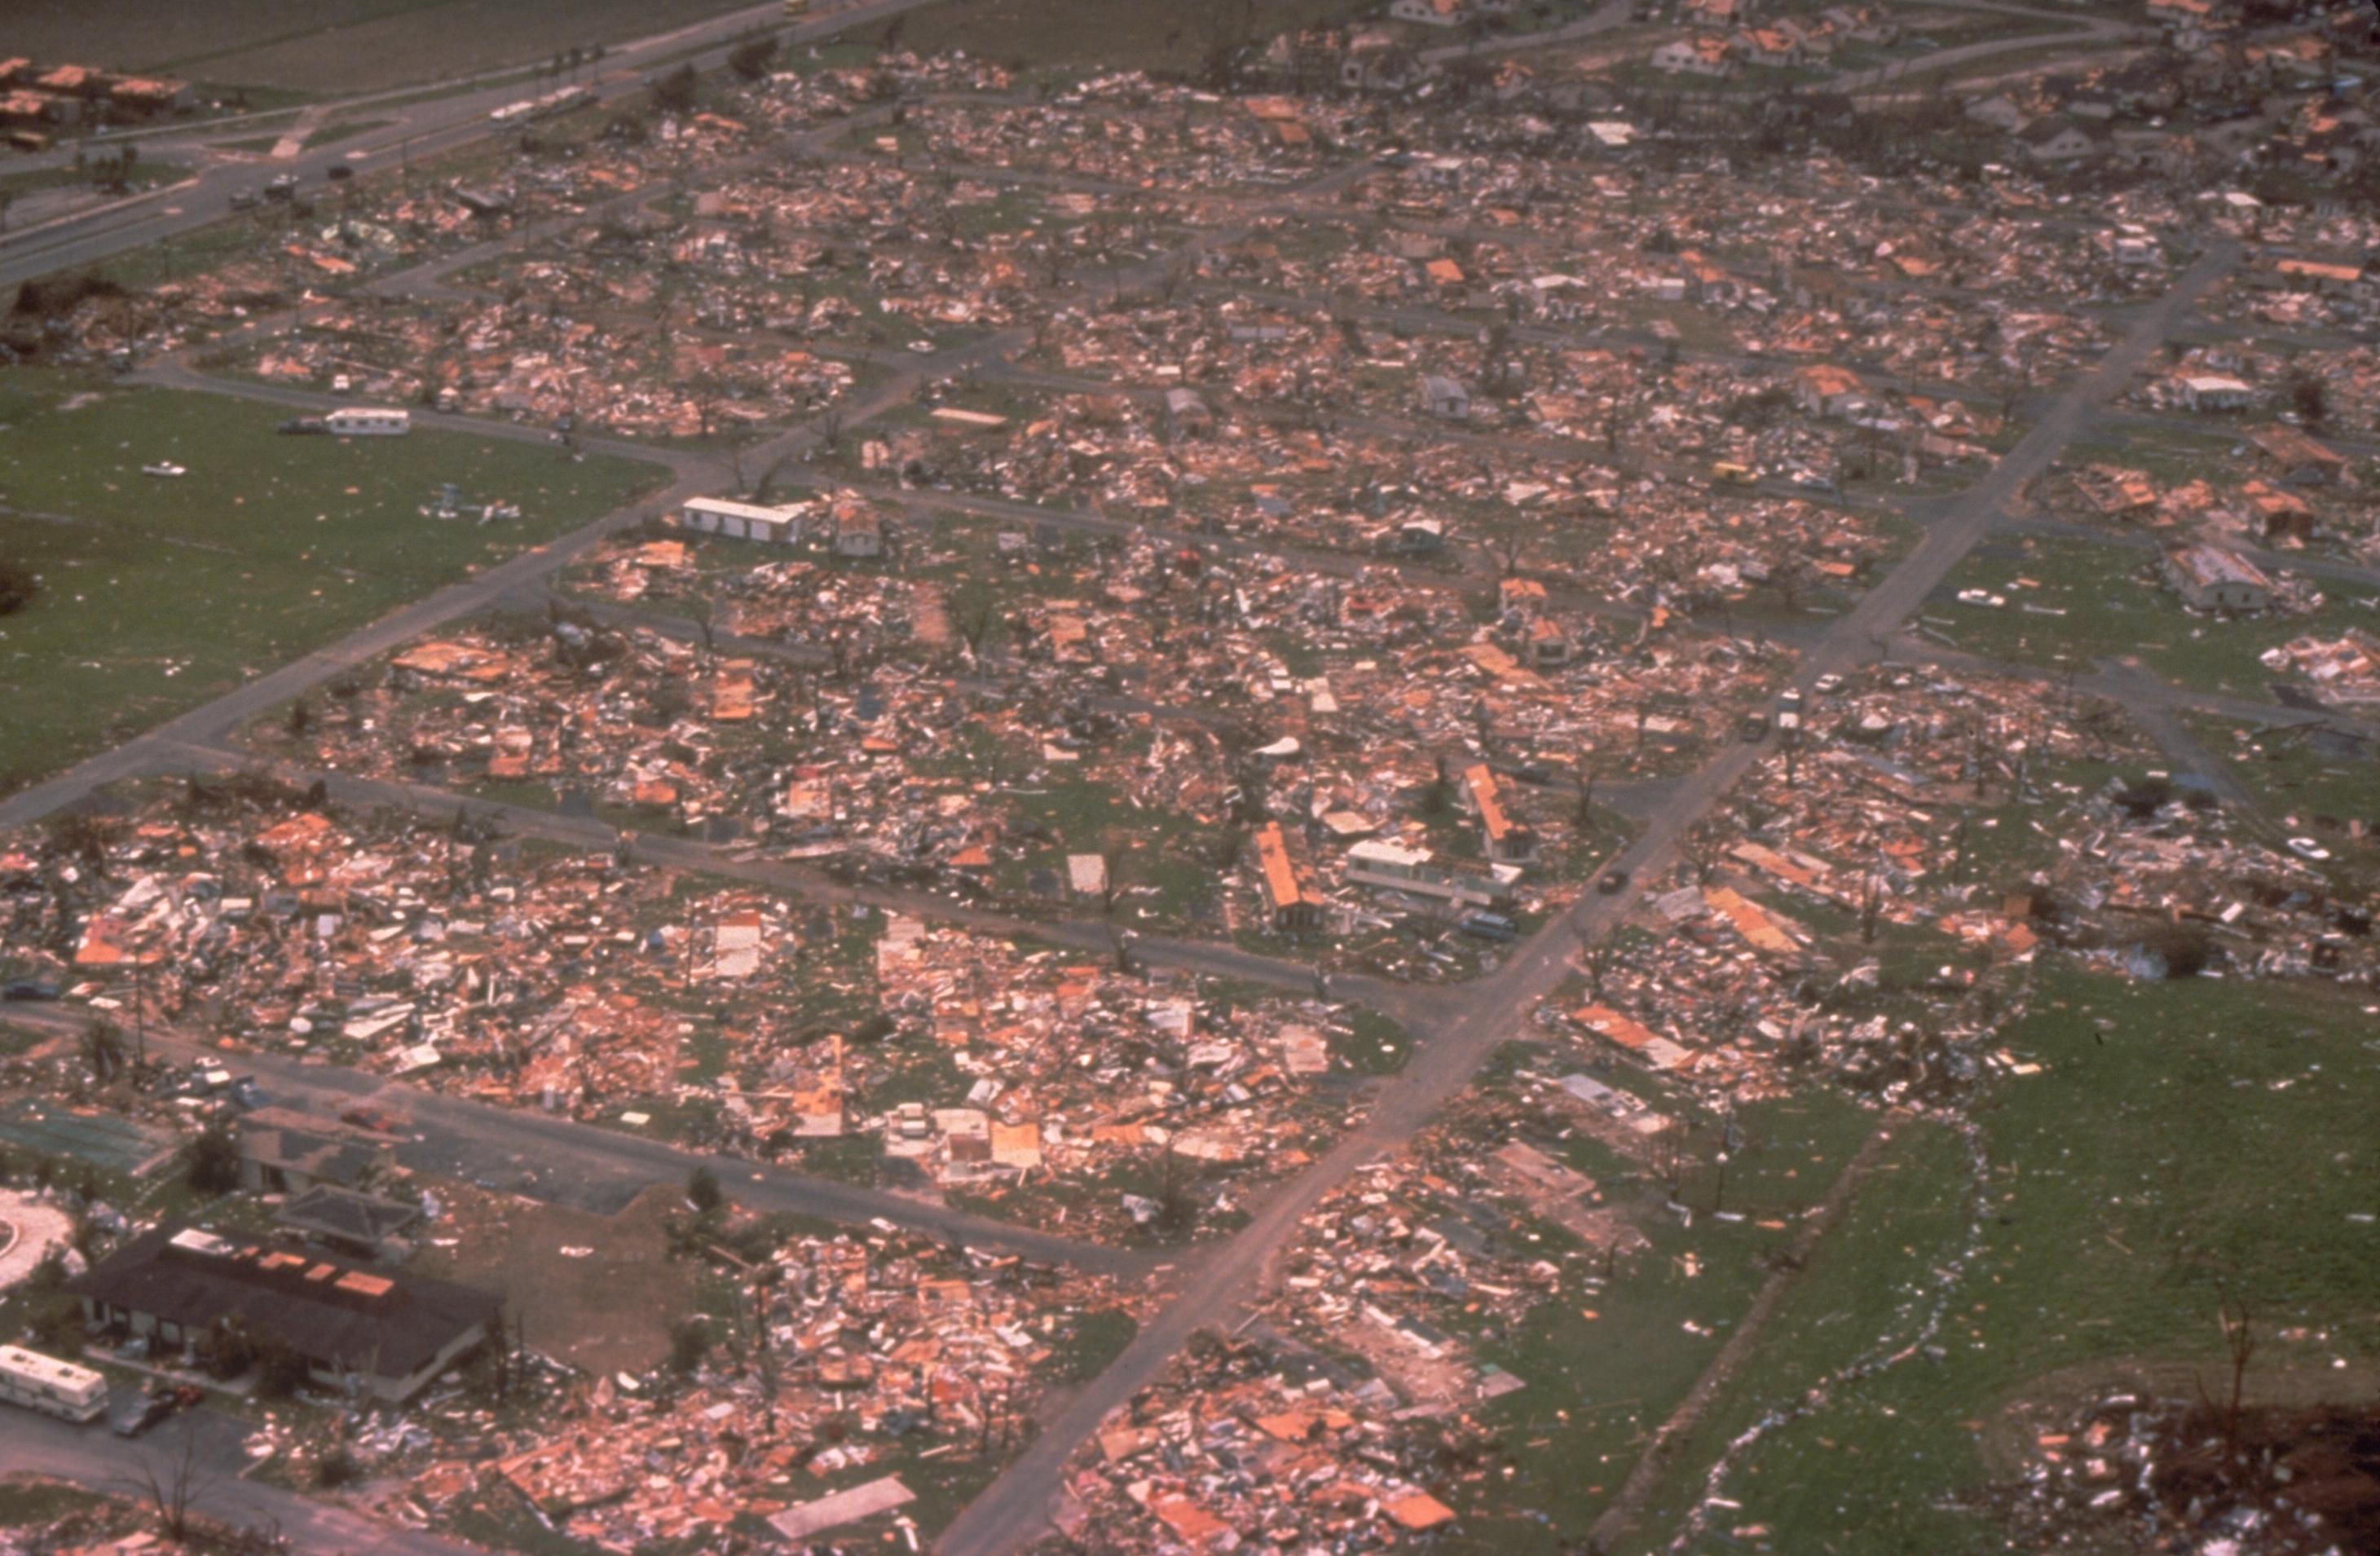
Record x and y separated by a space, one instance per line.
1014 1511
96 1459
425 129
559 1162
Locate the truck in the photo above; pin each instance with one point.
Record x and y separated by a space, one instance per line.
51 1386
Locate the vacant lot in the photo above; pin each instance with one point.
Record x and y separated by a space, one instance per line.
332 47
1124 34
606 1304
2183 1141
158 593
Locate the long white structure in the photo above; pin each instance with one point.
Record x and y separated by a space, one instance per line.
51 1386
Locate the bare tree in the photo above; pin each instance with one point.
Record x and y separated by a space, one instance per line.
2239 1341
1871 907
1114 859
102 1048
173 1486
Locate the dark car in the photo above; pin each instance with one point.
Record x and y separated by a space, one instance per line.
303 424
139 1417
1489 925
25 989
1532 773
1754 727
1611 882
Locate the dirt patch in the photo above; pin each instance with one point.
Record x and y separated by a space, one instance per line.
597 1291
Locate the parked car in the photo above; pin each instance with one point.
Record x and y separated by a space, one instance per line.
1611 882
138 1417
1753 727
303 424
243 199
25 990
1489 925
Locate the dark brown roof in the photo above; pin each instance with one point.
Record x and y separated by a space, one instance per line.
334 1312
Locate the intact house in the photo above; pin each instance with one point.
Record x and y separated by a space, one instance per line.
1443 396
743 521
283 1151
387 1332
1701 54
1501 837
1825 389
2215 580
2055 137
857 532
2215 392
1293 903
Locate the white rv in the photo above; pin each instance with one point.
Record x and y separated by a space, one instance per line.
369 421
51 1386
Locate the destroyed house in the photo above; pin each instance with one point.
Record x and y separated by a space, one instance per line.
742 521
1186 413
1393 868
285 1152
1292 902
2213 578
360 1226
2297 458
389 1331
1501 837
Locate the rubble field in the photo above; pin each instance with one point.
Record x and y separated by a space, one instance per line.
1134 1106
2262 1478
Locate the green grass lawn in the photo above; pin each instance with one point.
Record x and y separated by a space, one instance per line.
2289 773
158 595
2211 1132
2112 609
1604 1367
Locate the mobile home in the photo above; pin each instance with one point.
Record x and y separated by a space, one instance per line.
369 421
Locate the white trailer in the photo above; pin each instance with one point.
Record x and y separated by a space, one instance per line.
51 1386
370 422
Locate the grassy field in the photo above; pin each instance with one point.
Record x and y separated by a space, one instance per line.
2112 608
2182 1139
158 595
1124 34
331 47
1603 1367
2294 773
